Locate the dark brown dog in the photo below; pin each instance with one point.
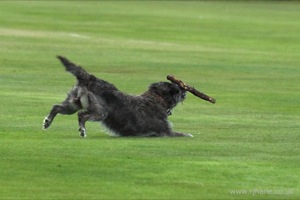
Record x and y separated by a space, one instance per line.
125 115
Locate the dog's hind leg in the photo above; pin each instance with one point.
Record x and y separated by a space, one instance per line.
90 115
95 112
67 107
64 108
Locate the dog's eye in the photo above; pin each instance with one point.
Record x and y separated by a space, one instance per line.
174 91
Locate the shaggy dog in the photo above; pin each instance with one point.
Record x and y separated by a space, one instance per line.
125 115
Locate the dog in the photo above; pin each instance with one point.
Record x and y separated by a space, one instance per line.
97 100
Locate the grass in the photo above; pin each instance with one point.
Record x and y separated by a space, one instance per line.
244 54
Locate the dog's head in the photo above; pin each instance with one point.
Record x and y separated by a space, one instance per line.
171 93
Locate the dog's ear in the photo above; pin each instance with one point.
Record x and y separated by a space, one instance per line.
153 87
157 87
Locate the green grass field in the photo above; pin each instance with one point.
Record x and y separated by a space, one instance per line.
244 54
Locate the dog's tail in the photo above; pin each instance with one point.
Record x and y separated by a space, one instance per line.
76 70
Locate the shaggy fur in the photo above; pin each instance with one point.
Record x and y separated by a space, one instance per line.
125 115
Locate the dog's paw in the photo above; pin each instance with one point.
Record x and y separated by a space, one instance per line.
188 135
46 123
82 132
175 134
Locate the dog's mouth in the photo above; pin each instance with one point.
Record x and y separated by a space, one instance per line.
190 89
181 97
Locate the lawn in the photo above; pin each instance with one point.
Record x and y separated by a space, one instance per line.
243 53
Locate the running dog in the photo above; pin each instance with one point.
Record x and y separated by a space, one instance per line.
125 115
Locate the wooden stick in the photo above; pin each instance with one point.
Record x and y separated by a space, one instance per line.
190 89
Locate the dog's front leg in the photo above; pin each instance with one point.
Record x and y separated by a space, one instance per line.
175 134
